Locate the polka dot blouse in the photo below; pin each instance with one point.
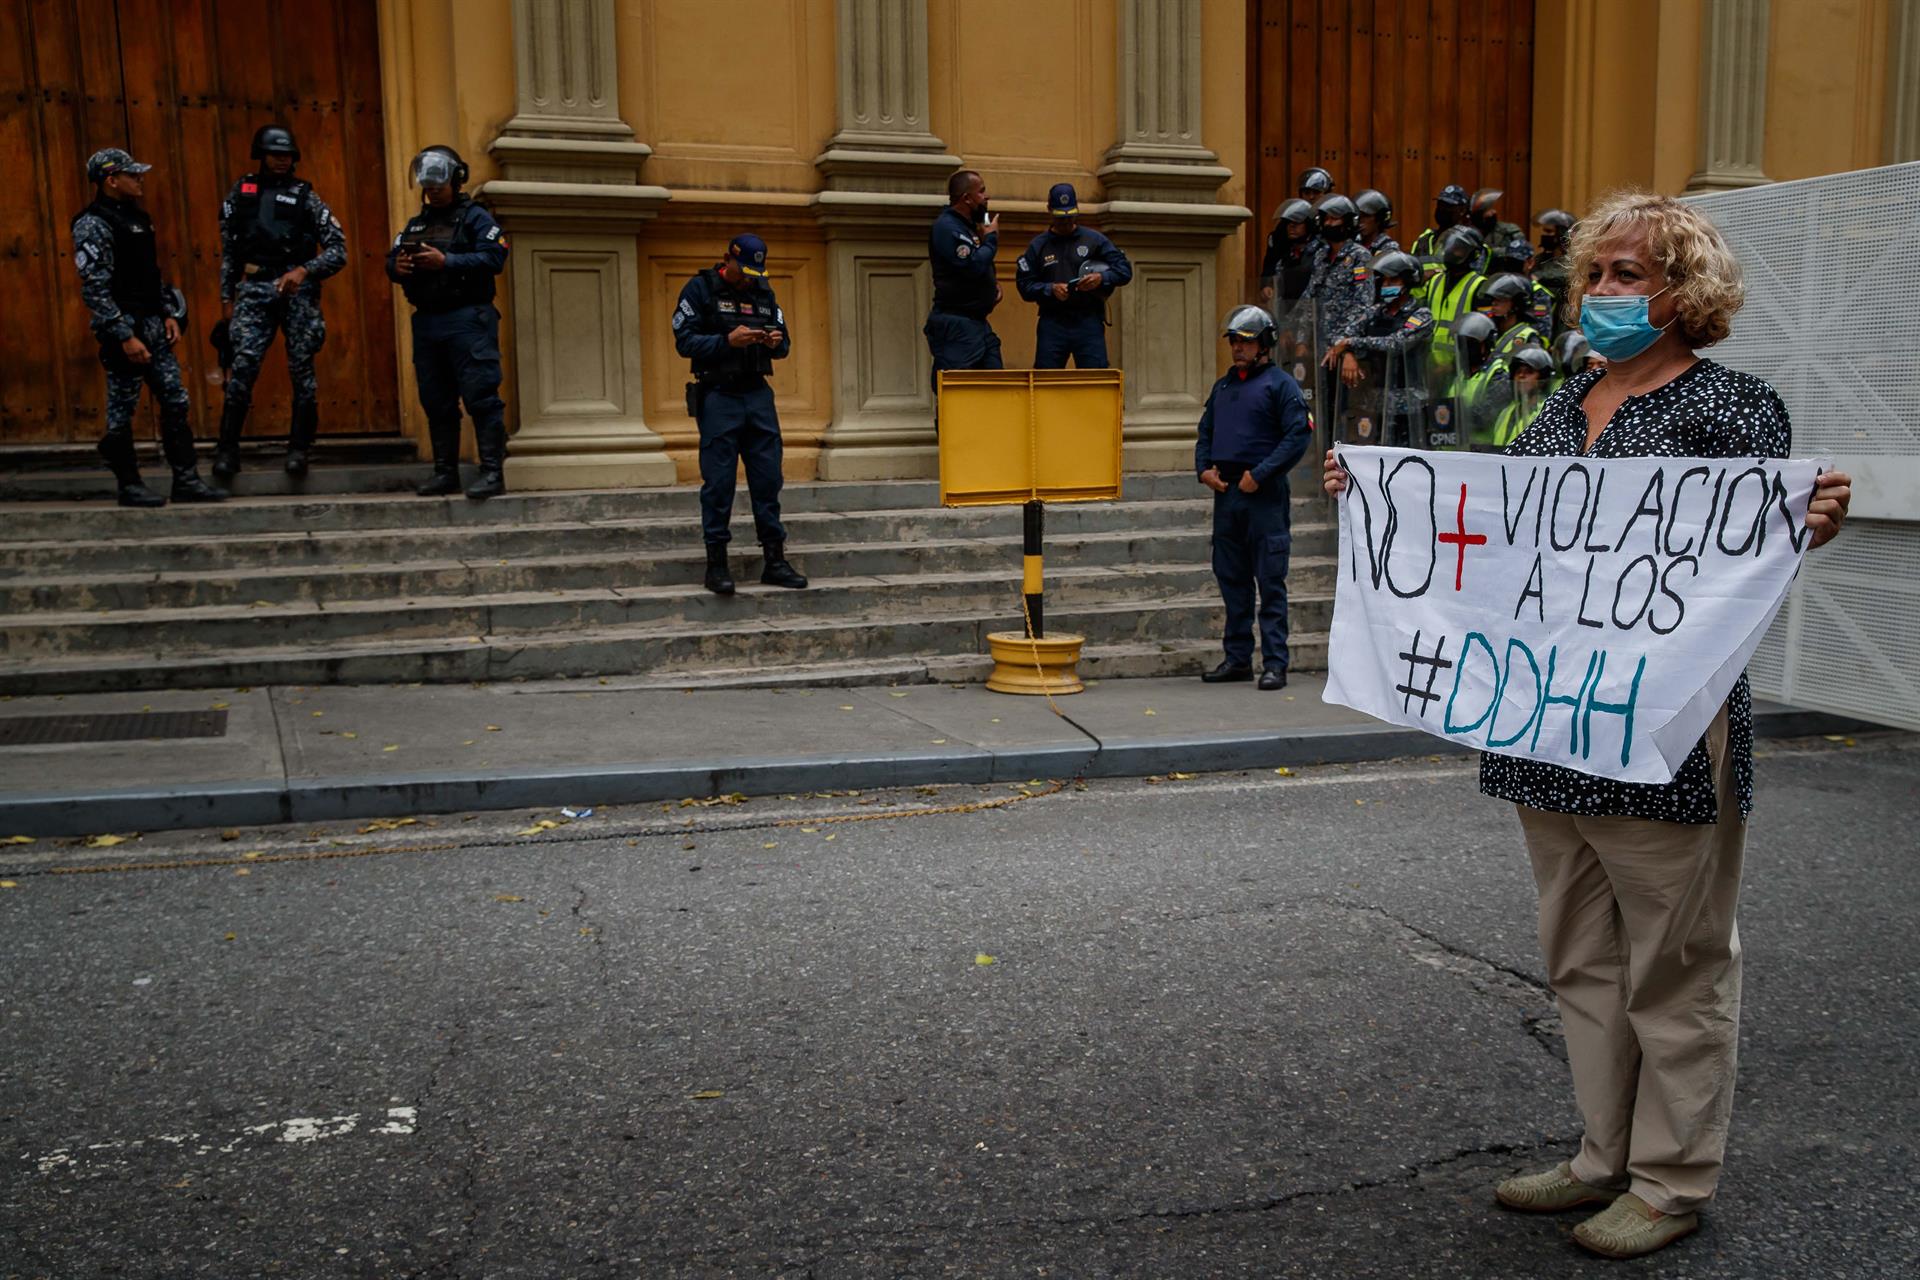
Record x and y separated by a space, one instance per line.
1709 411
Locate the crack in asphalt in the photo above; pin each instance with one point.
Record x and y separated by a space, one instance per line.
466 1192
594 931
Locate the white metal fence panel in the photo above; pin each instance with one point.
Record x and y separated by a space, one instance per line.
1832 320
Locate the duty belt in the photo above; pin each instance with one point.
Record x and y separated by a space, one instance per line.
730 382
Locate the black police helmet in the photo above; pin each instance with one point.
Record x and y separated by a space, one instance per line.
1471 334
1375 205
1515 289
1570 351
1535 359
1554 220
274 140
1393 264
449 171
1315 180
1486 199
1452 193
1460 246
1338 207
1297 211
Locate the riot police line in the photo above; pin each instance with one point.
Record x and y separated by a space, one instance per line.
1452 345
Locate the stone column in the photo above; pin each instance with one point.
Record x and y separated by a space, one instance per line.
1733 96
1161 180
886 176
1903 84
572 204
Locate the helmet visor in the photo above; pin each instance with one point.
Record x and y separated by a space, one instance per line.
433 169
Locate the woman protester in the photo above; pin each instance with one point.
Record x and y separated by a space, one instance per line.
1638 883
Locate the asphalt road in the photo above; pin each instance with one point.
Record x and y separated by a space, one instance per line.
1221 1025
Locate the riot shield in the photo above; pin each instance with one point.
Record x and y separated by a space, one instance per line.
1298 349
1478 398
1387 403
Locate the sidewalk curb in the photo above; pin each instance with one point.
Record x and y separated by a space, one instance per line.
265 803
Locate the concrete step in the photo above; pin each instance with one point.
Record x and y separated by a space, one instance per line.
32 560
413 579
870 598
77 521
1173 636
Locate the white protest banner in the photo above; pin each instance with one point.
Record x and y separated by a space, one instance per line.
1590 613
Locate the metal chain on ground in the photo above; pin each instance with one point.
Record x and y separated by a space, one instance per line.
1053 787
1033 643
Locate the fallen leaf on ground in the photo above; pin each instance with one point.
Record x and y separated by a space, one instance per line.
17 840
391 746
253 853
1181 777
1284 772
545 824
1150 711
982 957
812 831
493 728
771 844
243 871
8 884
106 842
707 1095
388 824
846 707
221 706
230 835
348 733
508 897
230 937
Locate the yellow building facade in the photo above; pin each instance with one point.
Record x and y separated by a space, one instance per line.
623 142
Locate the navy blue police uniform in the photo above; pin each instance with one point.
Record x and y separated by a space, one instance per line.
964 295
1255 422
731 399
456 330
1077 325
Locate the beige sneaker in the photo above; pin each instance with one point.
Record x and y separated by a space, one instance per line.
1629 1227
1549 1192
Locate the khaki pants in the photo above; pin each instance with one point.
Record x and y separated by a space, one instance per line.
1637 927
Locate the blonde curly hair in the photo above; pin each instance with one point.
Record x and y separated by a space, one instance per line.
1687 248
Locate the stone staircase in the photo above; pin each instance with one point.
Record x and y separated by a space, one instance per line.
375 588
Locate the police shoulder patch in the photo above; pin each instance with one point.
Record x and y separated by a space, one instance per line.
1081 250
963 250
1020 265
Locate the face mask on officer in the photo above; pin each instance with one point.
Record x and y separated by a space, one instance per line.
1445 215
1549 244
1391 289
1487 220
1334 232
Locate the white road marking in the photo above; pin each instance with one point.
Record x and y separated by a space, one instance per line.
298 1130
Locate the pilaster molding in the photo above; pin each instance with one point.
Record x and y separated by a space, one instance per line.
1733 96
884 142
571 199
1903 84
1159 154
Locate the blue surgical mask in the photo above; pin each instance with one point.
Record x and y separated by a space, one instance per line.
1617 327
1388 292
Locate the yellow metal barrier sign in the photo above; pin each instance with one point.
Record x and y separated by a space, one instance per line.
1023 435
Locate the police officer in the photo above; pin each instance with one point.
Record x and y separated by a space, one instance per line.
1481 385
1390 346
278 241
1450 295
1515 257
729 325
1449 210
1376 221
1531 369
445 260
1253 430
1507 300
136 321
1484 216
960 246
1070 271
1550 264
1571 356
1315 185
1289 256
1340 283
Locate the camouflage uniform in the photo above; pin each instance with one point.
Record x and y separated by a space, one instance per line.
268 226
1341 286
113 250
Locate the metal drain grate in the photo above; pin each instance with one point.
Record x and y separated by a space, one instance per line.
117 726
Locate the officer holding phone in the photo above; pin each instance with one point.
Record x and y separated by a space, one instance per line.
960 247
729 325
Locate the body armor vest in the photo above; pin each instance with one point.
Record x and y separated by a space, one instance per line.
276 230
136 260
447 231
726 307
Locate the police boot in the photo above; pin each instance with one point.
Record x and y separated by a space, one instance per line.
778 573
306 424
446 460
491 440
226 454
118 451
719 581
176 441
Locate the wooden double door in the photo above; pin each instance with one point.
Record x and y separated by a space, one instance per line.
183 84
1404 96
